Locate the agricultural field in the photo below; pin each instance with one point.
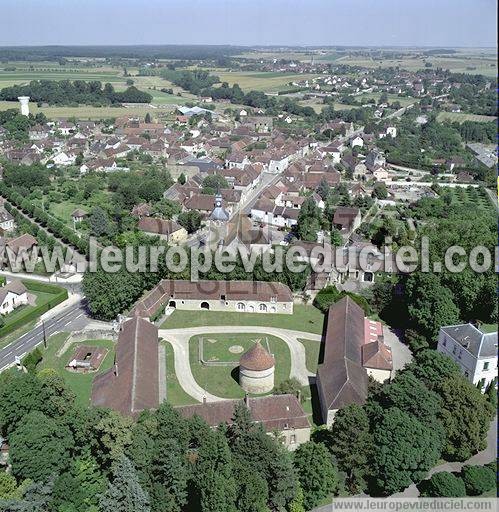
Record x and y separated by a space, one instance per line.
79 383
222 380
24 73
470 196
262 54
461 117
87 112
266 81
485 65
318 106
305 318
9 78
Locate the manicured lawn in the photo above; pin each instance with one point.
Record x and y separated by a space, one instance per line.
80 383
45 300
222 380
304 318
312 351
488 328
175 395
64 210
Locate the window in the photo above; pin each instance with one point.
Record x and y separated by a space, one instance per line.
292 439
240 306
485 366
481 383
262 307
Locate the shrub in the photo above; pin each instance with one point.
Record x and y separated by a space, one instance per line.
31 361
325 297
443 485
478 479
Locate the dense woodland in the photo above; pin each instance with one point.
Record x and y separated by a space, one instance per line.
78 92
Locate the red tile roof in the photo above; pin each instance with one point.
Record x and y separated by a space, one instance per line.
257 359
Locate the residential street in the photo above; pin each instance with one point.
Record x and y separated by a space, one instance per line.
73 317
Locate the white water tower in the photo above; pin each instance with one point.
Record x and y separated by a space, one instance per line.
24 101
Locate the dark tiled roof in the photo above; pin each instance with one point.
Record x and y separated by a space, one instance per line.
131 386
210 290
345 216
376 355
274 412
473 340
158 226
342 378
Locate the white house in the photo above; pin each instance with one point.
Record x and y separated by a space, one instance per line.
6 220
12 296
473 350
357 141
63 158
267 212
391 131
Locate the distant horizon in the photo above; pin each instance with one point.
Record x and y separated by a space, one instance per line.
288 23
314 46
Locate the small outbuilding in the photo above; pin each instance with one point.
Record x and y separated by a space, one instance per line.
78 215
256 370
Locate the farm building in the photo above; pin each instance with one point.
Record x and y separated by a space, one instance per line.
237 296
276 413
353 351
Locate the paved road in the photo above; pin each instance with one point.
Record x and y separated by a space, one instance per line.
179 339
73 314
401 355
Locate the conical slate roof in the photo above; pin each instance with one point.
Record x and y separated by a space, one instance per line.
257 359
219 213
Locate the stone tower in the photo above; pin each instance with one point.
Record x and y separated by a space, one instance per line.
24 101
256 370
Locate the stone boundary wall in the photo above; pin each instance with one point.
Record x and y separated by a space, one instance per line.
79 336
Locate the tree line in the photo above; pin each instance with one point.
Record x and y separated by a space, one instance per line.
65 92
66 457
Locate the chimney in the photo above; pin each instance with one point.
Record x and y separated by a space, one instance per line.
246 400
